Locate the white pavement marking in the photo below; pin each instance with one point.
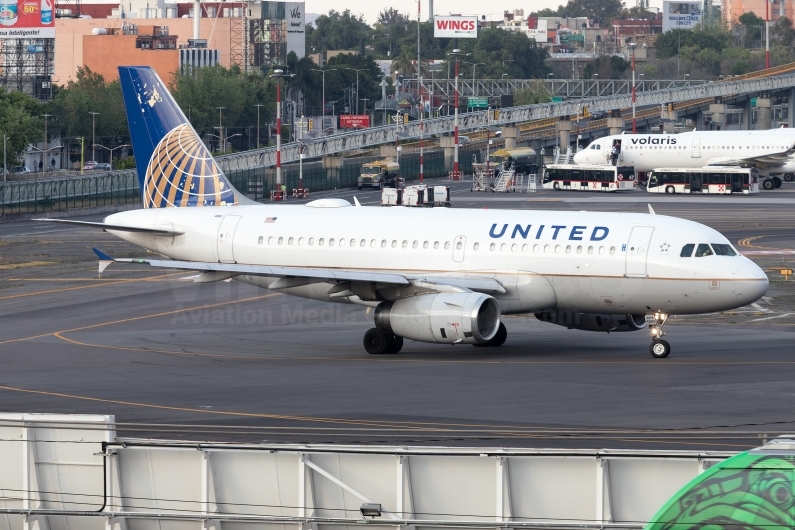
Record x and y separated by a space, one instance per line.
771 318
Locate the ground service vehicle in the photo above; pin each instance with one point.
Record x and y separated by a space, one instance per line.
588 177
380 174
721 180
523 160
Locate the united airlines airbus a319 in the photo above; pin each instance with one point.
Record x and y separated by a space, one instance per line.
436 275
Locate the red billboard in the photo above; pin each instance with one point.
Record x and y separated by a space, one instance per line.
27 19
354 121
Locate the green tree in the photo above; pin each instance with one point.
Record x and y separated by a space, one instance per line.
670 43
533 94
608 67
338 31
508 52
782 32
753 27
389 16
73 104
201 91
21 122
548 12
345 77
603 11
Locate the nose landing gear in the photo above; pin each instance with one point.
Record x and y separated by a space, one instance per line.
659 348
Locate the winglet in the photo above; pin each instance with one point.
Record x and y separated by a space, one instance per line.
104 260
651 210
356 201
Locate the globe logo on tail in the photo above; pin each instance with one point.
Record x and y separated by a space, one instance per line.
182 173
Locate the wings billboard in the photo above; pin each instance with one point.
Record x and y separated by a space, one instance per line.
455 27
27 19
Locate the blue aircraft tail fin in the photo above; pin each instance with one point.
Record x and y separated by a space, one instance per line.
174 166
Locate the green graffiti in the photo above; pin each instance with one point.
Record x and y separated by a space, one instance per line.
750 491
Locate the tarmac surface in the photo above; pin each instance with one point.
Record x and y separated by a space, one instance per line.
226 361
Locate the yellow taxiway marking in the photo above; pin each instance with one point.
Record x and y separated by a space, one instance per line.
142 317
79 287
746 242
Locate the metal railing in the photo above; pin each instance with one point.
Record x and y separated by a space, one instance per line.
56 194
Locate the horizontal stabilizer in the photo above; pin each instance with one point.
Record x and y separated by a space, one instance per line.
118 228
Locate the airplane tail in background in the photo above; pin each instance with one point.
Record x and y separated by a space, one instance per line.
175 168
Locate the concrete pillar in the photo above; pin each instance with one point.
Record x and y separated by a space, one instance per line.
668 120
791 108
389 151
764 114
332 165
510 134
718 111
448 144
565 127
745 122
615 122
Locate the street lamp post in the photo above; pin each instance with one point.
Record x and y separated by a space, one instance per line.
220 128
323 102
455 53
419 85
93 135
357 86
111 150
474 65
45 116
258 105
632 46
278 74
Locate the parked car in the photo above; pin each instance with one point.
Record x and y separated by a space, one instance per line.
90 165
20 169
104 166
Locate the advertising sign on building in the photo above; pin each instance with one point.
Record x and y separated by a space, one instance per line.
680 15
350 121
296 28
27 19
455 27
537 31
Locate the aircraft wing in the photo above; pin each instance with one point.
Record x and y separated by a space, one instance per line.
118 228
293 276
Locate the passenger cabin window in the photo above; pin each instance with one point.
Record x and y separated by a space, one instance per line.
722 249
687 250
703 250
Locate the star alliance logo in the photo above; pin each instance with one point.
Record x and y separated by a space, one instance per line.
664 247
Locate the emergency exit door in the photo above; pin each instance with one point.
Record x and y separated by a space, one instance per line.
637 250
696 153
226 238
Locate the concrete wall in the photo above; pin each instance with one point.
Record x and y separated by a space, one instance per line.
103 54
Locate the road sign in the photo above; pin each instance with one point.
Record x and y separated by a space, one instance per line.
404 118
557 99
349 121
753 102
478 103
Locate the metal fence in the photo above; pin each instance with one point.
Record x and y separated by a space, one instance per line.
121 187
55 194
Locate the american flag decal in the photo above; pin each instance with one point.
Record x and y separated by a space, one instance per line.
270 219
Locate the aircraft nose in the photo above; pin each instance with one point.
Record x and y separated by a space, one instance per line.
750 283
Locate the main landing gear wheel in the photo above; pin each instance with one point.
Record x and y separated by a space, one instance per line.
496 340
377 343
660 349
395 344
789 177
777 182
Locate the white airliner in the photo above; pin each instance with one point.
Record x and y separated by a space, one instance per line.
770 151
433 275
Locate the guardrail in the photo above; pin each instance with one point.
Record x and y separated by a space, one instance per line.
66 193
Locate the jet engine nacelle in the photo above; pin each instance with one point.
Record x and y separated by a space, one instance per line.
592 321
444 318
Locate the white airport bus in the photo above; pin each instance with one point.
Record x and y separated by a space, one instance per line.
721 180
588 177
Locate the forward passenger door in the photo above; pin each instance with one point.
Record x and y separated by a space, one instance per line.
637 249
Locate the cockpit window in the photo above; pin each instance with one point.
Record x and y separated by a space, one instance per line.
722 249
703 250
687 250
